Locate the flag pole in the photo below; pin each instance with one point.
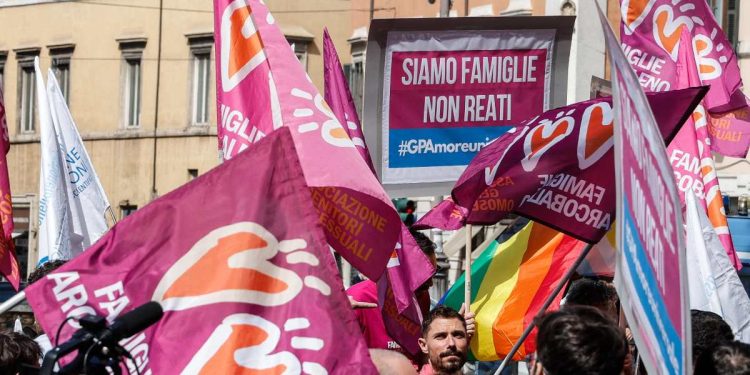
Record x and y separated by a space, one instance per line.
544 307
12 302
467 270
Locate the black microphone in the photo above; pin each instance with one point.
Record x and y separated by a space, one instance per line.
132 322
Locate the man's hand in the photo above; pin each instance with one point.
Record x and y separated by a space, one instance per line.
471 326
361 305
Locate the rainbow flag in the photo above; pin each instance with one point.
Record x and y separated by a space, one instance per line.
509 283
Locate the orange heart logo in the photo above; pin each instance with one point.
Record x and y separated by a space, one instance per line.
542 137
243 254
634 12
667 29
241 45
596 134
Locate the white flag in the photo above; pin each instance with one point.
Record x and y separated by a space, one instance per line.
87 202
713 283
54 218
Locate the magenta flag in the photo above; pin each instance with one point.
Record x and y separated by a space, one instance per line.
262 87
650 35
238 262
408 267
8 262
690 155
555 168
339 97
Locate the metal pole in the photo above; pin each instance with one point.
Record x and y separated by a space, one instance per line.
466 8
156 104
372 9
12 302
445 8
547 302
467 270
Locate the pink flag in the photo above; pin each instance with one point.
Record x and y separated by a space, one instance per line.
339 97
408 267
690 155
261 87
8 261
650 36
245 271
555 168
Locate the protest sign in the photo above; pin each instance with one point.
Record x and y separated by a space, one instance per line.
438 92
650 271
278 301
447 94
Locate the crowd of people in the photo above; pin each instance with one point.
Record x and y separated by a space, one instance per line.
586 335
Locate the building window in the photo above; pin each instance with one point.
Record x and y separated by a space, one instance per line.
357 82
200 51
192 174
133 92
3 58
60 55
26 89
132 53
299 47
127 209
732 27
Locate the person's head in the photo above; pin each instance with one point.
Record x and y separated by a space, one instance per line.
390 362
595 293
579 340
44 270
428 248
17 352
729 358
444 340
709 330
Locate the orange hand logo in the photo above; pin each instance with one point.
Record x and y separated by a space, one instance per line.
242 253
542 137
596 134
241 46
667 29
708 67
245 344
634 12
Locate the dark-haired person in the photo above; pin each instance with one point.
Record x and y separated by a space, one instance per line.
444 341
708 331
595 293
18 353
579 340
729 358
363 297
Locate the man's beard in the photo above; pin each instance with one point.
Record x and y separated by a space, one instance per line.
453 365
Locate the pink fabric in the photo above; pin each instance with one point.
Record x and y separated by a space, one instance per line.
244 269
650 36
339 97
262 87
370 319
8 261
690 155
555 168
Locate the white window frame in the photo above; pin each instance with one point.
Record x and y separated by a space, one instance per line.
200 80
3 59
299 47
26 90
60 55
132 72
